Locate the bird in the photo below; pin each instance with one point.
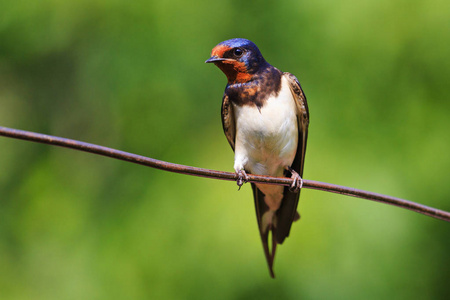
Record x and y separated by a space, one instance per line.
265 119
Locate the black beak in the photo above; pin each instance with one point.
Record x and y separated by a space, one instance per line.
214 59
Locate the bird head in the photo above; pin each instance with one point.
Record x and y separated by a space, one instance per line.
239 59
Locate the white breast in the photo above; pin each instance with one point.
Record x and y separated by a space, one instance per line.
266 139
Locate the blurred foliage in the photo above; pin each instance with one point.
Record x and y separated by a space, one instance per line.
130 75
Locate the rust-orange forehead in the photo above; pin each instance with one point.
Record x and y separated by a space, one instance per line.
219 50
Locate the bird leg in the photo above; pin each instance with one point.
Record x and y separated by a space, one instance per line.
242 178
298 181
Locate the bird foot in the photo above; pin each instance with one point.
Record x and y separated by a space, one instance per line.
242 178
297 184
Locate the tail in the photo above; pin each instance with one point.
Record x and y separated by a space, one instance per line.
269 253
276 224
266 225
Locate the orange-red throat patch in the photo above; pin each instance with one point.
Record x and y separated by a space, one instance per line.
235 71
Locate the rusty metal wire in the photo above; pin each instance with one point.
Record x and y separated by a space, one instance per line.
188 170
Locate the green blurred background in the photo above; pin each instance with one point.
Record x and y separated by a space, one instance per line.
131 75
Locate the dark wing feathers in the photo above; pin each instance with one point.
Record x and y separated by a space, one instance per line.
303 122
228 122
286 214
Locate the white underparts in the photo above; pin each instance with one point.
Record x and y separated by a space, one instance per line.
266 142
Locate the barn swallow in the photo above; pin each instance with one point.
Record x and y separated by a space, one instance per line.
265 119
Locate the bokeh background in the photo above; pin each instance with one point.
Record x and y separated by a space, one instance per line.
131 75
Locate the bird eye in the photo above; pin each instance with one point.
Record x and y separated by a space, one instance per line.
238 52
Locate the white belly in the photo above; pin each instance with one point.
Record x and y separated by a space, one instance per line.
266 139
